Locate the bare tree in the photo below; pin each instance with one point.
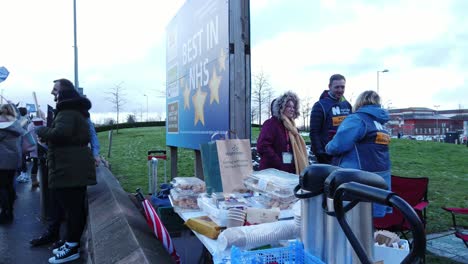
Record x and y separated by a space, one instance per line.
305 111
268 98
116 97
253 114
260 92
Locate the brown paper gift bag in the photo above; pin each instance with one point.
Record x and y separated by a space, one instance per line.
235 163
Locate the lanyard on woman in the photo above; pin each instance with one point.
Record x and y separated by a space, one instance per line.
287 139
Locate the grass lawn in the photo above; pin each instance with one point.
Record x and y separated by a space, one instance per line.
446 166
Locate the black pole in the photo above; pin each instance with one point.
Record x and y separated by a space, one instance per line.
139 196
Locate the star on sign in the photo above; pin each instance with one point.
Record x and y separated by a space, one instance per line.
198 100
222 60
214 84
186 97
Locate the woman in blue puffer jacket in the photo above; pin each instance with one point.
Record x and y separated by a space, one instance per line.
361 142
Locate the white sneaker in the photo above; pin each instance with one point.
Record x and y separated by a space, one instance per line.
61 248
66 254
24 177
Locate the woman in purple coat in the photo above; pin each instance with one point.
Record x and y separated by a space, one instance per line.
279 144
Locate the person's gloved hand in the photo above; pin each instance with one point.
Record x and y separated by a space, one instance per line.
324 158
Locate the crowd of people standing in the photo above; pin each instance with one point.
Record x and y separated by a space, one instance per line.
70 151
340 135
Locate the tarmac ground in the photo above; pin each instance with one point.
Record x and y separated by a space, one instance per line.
27 224
447 245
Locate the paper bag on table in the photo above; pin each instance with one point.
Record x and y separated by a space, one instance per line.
235 163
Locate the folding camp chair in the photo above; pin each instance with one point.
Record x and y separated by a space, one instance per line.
459 231
414 192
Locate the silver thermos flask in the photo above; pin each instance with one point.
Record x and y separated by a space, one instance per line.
311 193
338 250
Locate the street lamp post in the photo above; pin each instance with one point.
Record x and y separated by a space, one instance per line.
146 107
437 121
77 84
383 71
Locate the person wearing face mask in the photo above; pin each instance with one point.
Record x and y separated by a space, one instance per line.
279 144
326 115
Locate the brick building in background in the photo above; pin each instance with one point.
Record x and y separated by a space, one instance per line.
426 122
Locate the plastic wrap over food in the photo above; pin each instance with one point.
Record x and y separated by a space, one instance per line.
189 184
273 182
207 205
271 201
183 200
248 237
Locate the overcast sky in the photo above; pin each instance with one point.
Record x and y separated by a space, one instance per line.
298 44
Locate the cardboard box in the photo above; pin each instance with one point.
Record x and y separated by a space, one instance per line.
390 255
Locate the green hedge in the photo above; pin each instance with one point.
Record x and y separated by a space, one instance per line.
129 125
137 124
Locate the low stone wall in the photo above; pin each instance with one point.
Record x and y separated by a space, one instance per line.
117 231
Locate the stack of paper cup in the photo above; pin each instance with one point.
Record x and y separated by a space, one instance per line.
235 217
267 233
248 237
231 237
297 213
297 220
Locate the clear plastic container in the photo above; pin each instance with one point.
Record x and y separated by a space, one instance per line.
273 182
219 216
189 184
269 201
183 200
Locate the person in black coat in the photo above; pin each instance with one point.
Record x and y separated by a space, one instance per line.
326 115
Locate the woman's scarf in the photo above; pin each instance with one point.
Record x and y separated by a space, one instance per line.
301 159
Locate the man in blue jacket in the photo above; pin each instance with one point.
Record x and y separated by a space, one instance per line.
326 115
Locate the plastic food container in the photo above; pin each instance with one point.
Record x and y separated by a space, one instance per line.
183 201
270 201
274 182
218 209
188 184
219 216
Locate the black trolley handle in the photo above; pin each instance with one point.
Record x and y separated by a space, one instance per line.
368 193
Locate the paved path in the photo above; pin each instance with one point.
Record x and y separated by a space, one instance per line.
14 238
447 245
